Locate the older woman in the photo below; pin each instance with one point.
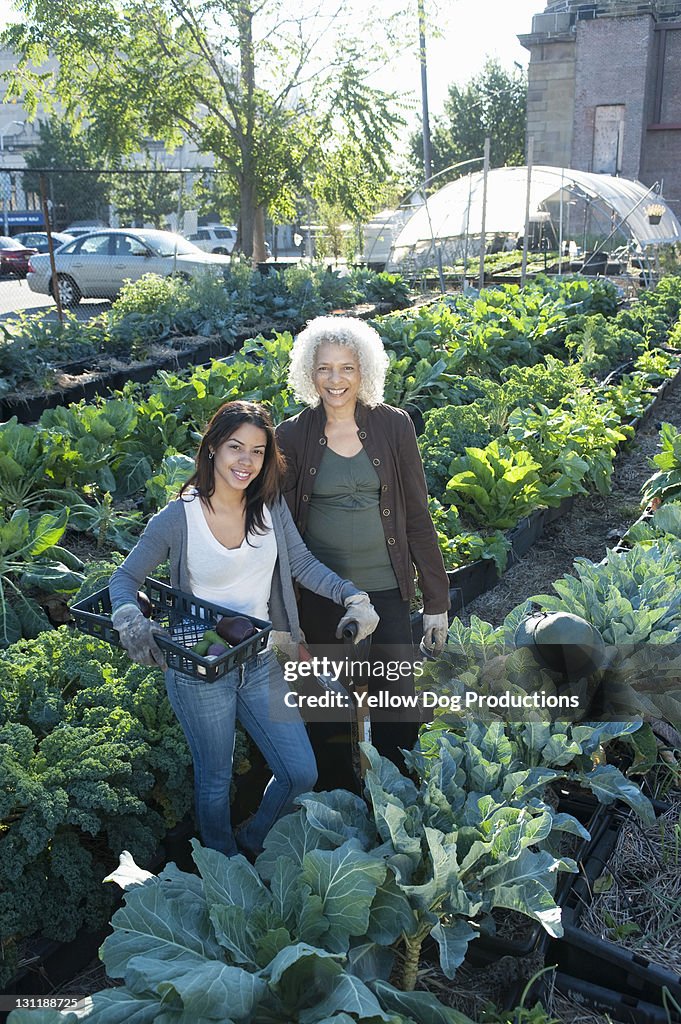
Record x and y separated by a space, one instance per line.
356 488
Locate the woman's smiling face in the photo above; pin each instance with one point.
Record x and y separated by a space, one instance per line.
336 375
239 459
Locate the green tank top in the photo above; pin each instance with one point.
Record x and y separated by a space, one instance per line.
344 529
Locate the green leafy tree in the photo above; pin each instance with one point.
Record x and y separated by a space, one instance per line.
74 196
260 88
492 104
144 194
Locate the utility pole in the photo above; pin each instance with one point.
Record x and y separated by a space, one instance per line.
427 159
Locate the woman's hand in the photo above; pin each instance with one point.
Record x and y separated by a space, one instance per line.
137 636
435 632
361 611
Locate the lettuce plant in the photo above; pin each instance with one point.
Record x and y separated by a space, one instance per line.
494 485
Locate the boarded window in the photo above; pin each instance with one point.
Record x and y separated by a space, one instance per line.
608 139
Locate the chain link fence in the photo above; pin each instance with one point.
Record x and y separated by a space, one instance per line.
198 205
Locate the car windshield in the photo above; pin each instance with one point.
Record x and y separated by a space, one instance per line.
165 243
9 243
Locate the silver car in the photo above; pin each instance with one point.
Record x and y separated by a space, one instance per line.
97 265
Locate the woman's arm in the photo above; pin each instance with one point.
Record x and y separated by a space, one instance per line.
151 550
421 535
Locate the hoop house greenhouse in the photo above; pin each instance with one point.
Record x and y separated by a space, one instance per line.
568 209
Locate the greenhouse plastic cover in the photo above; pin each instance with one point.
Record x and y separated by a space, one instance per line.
446 214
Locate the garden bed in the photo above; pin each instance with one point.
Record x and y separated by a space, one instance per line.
584 528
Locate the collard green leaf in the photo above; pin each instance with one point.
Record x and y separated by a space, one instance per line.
608 784
391 913
339 815
370 960
453 940
48 531
121 1006
231 925
346 880
301 975
421 1007
349 995
151 925
228 880
10 624
290 837
205 991
31 616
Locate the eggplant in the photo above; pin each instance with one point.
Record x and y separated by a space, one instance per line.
215 650
144 605
234 629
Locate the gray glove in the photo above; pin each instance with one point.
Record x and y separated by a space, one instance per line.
285 644
361 611
137 636
434 632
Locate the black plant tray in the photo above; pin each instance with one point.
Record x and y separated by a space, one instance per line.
612 1005
591 959
617 1006
186 618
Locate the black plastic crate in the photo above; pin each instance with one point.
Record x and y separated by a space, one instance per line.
186 619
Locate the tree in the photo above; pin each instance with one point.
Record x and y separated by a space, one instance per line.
247 80
493 104
146 197
76 193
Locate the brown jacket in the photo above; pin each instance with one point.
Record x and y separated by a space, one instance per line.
389 440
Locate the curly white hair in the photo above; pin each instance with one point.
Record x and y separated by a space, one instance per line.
339 330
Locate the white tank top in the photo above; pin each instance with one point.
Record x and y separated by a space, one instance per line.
238 578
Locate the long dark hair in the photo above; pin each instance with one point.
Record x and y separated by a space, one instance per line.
266 487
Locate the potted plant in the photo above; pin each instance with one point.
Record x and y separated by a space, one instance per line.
655 212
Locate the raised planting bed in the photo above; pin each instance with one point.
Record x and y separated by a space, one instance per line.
471 581
103 374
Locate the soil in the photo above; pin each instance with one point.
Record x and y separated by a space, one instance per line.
593 525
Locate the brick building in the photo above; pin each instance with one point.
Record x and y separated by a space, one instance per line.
605 89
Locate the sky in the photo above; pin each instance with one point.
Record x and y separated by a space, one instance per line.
471 30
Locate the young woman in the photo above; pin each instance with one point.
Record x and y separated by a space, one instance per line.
231 540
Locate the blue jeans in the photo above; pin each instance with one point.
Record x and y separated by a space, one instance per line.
254 694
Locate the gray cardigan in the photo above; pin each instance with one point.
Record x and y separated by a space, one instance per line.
166 537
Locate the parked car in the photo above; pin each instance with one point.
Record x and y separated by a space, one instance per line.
14 256
96 265
38 239
84 227
218 238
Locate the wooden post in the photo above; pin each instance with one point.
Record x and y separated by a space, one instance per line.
50 247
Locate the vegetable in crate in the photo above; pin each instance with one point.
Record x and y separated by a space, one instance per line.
235 629
145 605
234 495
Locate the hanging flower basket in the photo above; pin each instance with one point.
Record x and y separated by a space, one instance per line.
655 212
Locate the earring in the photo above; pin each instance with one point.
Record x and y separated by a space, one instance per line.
211 454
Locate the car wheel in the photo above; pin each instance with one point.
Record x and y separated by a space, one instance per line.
221 251
69 295
181 275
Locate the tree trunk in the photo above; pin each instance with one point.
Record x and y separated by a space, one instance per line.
247 81
259 255
247 218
